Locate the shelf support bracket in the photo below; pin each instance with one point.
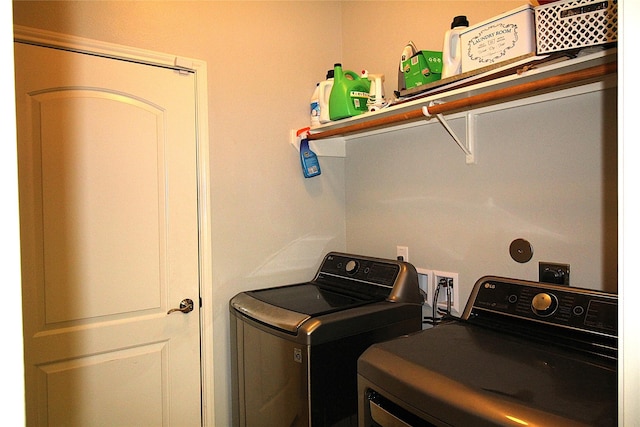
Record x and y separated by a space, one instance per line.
331 147
467 148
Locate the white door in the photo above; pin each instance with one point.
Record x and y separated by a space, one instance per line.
109 231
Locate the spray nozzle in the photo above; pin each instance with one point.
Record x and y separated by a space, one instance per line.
303 133
376 93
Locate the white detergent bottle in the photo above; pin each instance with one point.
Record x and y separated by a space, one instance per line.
323 97
451 49
315 107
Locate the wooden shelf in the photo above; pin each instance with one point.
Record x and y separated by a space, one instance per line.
533 80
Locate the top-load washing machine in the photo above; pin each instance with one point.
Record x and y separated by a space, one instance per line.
295 347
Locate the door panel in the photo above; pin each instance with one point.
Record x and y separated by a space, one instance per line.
108 200
75 400
81 231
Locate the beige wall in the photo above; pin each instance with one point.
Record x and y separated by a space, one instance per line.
374 32
546 173
271 226
543 173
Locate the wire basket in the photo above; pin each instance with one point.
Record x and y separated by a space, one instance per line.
573 24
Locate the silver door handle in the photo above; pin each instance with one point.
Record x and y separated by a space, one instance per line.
186 305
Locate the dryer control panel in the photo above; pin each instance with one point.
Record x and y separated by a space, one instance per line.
575 308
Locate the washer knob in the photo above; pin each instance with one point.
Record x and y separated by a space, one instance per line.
351 266
544 304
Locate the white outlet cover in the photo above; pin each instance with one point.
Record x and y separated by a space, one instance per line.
455 304
403 251
425 278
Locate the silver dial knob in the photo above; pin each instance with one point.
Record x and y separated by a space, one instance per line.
351 267
544 304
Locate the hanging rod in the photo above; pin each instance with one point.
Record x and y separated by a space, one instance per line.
472 101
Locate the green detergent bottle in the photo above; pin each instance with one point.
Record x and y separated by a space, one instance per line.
349 94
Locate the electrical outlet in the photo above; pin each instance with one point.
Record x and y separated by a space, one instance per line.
446 278
424 282
551 272
402 251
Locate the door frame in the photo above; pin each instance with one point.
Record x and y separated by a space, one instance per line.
199 69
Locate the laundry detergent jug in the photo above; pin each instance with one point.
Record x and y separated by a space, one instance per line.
324 93
451 49
349 94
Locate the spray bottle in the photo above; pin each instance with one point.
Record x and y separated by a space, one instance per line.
451 49
376 92
308 159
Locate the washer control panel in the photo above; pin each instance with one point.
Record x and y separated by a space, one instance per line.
352 267
393 280
576 308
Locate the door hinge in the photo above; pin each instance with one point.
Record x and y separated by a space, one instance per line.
183 65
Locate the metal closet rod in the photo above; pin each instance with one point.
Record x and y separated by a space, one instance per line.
472 101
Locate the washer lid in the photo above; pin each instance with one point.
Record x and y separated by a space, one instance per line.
288 307
310 299
267 313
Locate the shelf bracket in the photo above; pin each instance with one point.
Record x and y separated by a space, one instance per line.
467 148
330 147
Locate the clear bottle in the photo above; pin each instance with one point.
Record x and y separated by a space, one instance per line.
451 49
315 106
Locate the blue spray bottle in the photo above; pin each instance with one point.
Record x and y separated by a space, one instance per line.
308 159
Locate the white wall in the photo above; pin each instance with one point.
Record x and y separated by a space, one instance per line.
546 173
540 175
629 315
12 388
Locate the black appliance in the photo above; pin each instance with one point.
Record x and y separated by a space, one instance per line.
295 347
522 354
